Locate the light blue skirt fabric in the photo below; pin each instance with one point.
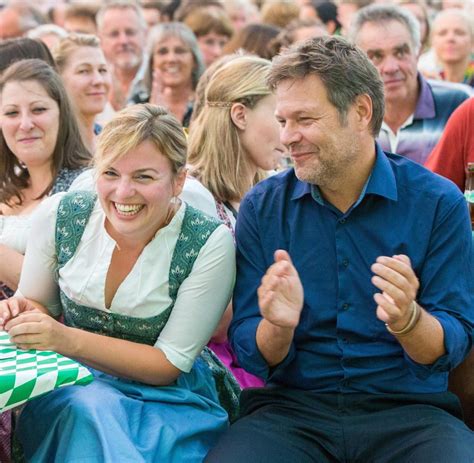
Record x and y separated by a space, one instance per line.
115 420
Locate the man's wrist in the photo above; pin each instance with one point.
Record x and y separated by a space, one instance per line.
415 315
285 332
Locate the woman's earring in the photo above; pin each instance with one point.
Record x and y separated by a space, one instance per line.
173 205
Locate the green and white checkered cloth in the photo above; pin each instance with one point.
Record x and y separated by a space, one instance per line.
26 374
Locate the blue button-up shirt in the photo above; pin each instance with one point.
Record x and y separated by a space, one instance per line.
339 344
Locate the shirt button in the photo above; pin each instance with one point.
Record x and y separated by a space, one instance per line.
345 262
342 221
345 307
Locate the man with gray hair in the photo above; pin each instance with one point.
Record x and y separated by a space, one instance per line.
354 292
122 31
416 110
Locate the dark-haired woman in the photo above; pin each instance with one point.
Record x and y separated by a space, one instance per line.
41 153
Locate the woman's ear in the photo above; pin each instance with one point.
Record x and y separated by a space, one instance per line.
238 114
179 180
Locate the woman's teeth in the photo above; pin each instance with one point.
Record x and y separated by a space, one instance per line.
128 209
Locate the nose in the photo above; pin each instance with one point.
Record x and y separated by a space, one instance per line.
389 66
216 49
26 122
124 189
98 78
289 134
122 38
450 36
171 55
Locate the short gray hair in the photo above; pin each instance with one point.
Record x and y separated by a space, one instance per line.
383 14
344 69
186 35
121 5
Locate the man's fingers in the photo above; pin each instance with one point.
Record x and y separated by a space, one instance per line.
391 276
386 310
400 264
265 300
402 258
281 254
284 262
399 295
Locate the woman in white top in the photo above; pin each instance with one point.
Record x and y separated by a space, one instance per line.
142 280
82 65
232 144
30 168
41 153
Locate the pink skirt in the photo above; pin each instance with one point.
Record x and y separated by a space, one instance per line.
227 357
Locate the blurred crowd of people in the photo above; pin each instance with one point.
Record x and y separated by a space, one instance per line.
70 70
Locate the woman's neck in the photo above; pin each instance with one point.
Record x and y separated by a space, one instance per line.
454 72
86 124
40 178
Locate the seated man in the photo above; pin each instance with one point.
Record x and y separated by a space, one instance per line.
415 111
356 332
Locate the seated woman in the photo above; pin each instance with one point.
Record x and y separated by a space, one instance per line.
41 153
452 40
81 63
142 280
232 143
174 68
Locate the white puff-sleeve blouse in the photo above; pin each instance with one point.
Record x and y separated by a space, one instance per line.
202 297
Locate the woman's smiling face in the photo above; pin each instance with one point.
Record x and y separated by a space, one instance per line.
173 62
29 119
136 191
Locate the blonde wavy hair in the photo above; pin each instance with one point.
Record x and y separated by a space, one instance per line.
135 125
67 45
216 156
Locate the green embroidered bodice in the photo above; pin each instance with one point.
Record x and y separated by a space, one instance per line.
72 217
73 214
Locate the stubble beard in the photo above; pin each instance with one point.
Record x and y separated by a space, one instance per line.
127 63
325 171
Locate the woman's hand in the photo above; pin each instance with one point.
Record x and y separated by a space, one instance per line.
156 94
12 307
34 329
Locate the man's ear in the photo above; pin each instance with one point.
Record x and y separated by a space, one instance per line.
363 110
238 114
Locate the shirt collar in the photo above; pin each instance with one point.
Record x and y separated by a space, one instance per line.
381 182
425 106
